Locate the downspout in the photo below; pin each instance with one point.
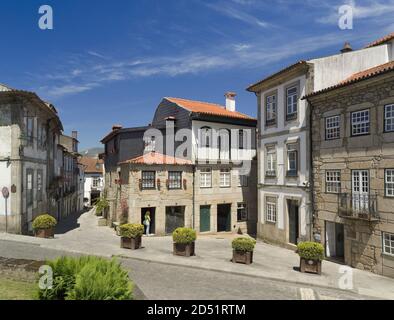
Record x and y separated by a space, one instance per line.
311 174
194 197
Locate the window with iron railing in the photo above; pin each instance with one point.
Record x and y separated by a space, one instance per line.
148 180
174 180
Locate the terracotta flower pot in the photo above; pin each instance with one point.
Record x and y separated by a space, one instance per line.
45 233
308 265
245 257
185 250
131 243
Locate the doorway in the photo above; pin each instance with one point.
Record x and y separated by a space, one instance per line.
175 218
293 210
335 240
152 212
205 218
224 218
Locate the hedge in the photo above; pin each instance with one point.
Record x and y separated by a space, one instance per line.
44 221
243 244
311 250
184 235
131 230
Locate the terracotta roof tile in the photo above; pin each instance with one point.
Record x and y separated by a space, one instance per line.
92 165
380 41
208 108
155 158
369 73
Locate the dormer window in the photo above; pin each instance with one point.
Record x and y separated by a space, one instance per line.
150 144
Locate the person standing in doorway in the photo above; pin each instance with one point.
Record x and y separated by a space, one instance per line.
147 223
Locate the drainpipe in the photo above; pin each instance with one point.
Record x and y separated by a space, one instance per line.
194 197
311 180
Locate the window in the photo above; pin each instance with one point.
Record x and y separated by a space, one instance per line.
242 180
271 162
388 243
270 209
206 178
291 102
242 212
39 185
360 122
205 137
225 178
389 118
292 159
174 180
389 182
29 130
241 136
148 179
29 187
96 182
270 110
150 144
333 181
333 128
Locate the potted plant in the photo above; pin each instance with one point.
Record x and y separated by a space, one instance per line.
184 242
243 250
101 205
43 226
311 256
131 235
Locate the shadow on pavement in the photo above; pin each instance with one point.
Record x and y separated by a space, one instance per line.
69 223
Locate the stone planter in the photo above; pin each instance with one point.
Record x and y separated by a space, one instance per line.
245 257
184 250
44 233
131 243
312 266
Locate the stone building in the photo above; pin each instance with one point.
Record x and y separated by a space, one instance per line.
353 169
283 146
219 143
29 134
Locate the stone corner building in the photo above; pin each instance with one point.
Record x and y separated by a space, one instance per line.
353 169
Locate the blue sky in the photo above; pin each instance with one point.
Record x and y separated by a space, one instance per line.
110 62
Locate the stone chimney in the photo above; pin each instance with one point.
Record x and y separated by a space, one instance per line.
74 135
116 127
230 101
346 48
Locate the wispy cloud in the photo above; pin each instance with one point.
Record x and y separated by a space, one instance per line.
365 10
259 52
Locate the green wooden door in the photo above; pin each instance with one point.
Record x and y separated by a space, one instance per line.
205 218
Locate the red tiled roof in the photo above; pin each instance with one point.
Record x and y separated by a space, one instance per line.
380 41
155 158
90 165
359 76
208 108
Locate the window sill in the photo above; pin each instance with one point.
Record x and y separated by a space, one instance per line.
270 222
291 117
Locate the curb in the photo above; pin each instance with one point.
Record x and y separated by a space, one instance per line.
355 291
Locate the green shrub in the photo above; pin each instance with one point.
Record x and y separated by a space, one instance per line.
101 204
131 230
310 250
44 221
70 280
102 280
184 235
243 244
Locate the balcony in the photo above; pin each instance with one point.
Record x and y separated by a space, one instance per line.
358 206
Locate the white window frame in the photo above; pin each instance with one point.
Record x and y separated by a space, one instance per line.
361 122
271 163
96 182
389 182
225 178
388 243
174 180
389 118
150 144
271 210
206 178
333 127
292 149
333 181
147 182
271 108
291 101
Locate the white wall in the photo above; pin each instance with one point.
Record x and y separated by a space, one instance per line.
89 184
329 71
213 152
5 181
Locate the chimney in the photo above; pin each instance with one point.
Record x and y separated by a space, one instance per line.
346 48
116 127
230 101
74 135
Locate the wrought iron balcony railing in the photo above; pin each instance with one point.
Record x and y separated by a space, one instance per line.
358 206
